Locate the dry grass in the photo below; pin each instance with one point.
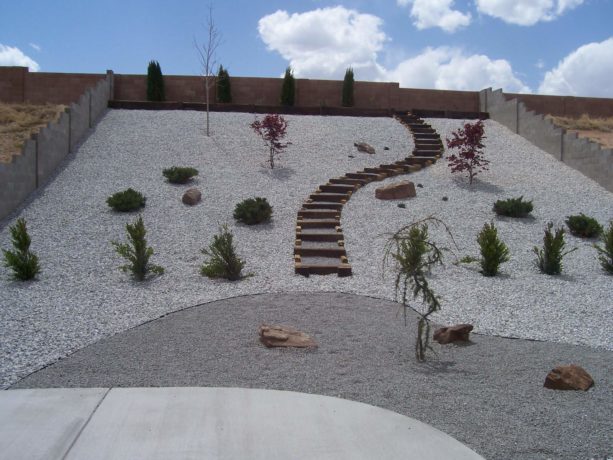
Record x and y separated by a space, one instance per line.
596 129
19 121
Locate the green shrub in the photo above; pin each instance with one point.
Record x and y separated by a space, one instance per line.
288 90
513 207
348 83
155 82
22 261
179 175
224 91
584 226
128 200
493 251
223 262
136 252
606 253
253 211
549 259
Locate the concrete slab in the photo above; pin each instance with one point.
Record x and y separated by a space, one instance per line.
43 424
236 423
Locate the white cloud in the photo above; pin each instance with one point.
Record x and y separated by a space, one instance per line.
436 13
324 42
450 68
10 56
35 46
526 12
586 71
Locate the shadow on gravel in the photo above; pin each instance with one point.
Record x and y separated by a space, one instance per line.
279 173
479 185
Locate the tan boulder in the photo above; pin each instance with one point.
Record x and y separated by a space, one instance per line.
364 147
192 196
457 333
403 189
571 377
285 336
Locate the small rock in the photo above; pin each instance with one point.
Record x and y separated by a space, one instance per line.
386 148
420 186
402 205
285 336
192 196
364 147
570 377
445 198
403 189
457 333
351 156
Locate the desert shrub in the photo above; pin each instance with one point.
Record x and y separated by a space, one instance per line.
223 261
155 82
179 175
127 200
288 90
513 207
584 226
493 251
606 252
224 90
22 261
466 260
469 141
415 255
549 258
272 130
253 211
136 252
348 83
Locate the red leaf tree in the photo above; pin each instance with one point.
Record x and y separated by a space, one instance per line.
272 130
470 155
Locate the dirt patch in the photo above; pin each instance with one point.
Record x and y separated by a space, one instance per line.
19 121
596 129
604 139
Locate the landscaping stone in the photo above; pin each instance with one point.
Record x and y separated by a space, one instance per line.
452 334
403 189
285 336
364 147
192 196
571 377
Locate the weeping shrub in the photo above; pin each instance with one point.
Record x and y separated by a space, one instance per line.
253 211
223 261
605 252
493 251
549 258
136 252
584 226
22 261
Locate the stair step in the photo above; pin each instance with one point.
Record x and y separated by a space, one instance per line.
330 197
425 146
419 136
420 160
429 142
315 266
348 181
425 153
319 213
322 205
376 171
338 188
324 224
309 250
365 176
316 236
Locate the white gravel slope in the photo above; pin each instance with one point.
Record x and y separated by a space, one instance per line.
81 296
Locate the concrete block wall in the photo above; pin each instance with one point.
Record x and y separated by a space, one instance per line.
44 152
585 156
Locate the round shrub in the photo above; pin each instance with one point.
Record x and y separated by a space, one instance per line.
253 211
128 200
584 226
513 207
179 175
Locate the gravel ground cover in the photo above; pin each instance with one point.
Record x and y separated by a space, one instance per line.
81 297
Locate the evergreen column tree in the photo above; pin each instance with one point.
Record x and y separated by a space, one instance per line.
288 90
224 90
155 82
348 82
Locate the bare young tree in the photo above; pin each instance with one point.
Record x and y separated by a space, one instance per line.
206 53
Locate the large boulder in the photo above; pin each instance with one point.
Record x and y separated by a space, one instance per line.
403 189
192 196
452 334
571 377
285 336
364 147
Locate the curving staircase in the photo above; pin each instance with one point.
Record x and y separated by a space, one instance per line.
320 245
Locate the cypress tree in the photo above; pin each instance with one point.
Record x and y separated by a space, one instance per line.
155 82
224 91
288 90
348 88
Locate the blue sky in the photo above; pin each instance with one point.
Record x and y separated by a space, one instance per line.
540 46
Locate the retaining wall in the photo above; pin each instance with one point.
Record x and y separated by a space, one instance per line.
585 156
43 153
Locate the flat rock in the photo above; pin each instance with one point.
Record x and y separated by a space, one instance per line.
364 147
192 196
395 191
285 336
571 377
452 334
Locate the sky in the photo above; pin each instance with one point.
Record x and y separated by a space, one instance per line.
560 47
